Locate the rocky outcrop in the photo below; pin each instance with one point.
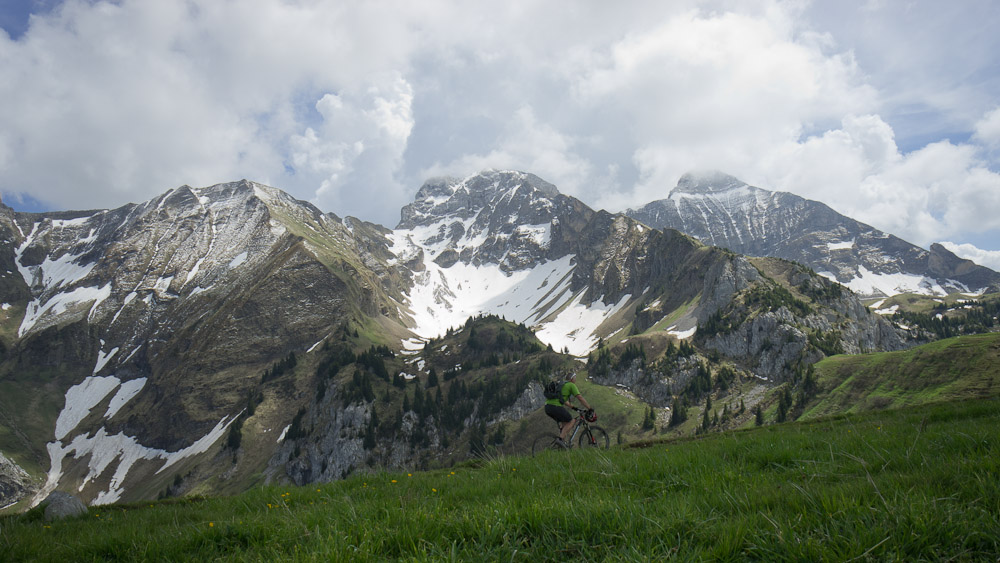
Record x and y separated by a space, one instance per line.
532 399
773 332
59 506
327 444
15 483
770 344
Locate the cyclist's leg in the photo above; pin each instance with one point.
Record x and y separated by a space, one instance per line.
568 429
563 417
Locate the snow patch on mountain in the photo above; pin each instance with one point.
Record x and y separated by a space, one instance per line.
870 283
846 245
104 449
80 399
682 334
574 327
125 393
238 260
103 358
60 303
52 279
443 298
539 234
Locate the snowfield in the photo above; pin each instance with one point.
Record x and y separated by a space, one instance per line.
105 449
540 297
869 283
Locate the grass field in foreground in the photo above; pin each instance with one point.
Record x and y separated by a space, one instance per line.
911 485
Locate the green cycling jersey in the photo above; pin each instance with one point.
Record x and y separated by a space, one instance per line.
569 389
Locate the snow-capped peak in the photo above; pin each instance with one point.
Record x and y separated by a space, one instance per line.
707 182
464 198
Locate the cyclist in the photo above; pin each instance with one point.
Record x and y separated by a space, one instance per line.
557 408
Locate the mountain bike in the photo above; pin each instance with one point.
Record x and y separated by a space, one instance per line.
591 436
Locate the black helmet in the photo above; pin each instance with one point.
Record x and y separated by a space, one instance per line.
590 415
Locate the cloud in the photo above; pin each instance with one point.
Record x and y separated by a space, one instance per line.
109 102
921 196
719 91
528 144
988 129
355 149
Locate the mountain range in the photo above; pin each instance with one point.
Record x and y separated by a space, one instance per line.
212 338
721 210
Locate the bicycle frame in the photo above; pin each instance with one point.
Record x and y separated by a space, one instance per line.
596 436
576 429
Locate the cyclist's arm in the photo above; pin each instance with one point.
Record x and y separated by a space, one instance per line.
583 401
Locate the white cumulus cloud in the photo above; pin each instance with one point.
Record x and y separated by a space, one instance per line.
988 128
885 110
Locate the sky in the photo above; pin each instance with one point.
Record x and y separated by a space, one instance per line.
888 111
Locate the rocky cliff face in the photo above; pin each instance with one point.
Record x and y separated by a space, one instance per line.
793 318
723 211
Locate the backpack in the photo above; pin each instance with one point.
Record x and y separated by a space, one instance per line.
553 390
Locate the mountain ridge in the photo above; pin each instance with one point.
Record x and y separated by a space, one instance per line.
237 311
721 210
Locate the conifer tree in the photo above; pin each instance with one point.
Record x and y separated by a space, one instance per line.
678 414
784 403
649 421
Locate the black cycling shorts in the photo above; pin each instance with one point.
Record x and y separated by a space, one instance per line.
558 412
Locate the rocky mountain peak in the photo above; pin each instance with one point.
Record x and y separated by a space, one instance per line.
723 211
707 182
463 199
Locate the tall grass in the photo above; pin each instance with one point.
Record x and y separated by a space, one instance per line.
915 484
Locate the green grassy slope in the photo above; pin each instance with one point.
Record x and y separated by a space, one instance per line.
908 484
965 367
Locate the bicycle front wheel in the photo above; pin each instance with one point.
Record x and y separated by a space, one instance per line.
546 442
594 437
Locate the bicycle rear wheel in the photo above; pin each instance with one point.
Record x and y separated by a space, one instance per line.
546 442
594 437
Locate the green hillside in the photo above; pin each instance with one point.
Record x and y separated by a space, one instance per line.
908 484
960 368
